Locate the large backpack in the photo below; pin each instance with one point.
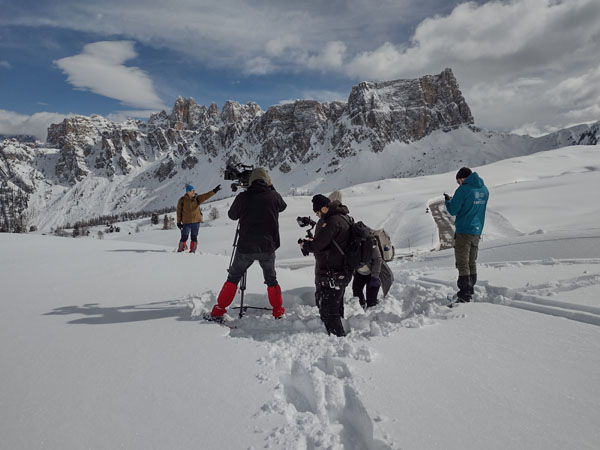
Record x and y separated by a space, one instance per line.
360 242
385 244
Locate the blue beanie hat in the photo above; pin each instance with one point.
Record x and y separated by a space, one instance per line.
188 188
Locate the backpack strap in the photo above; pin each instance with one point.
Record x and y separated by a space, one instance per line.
350 221
339 248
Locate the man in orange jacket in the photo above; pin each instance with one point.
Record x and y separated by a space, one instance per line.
189 215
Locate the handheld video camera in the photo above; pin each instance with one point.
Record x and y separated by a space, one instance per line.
306 222
239 173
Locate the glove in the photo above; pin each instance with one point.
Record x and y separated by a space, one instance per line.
374 283
217 189
179 225
447 197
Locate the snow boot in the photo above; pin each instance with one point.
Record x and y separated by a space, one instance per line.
361 299
472 281
334 326
193 247
372 304
276 301
182 246
224 299
464 294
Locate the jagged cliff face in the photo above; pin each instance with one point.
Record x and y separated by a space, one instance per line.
406 110
90 166
591 136
280 138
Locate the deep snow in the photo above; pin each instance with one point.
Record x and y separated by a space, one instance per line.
101 345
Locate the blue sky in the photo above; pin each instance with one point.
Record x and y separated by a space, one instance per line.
530 66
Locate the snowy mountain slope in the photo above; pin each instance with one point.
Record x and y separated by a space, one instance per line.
100 196
91 166
101 347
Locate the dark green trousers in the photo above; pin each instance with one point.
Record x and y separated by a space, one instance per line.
466 248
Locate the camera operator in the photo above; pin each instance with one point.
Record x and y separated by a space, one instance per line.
258 210
330 277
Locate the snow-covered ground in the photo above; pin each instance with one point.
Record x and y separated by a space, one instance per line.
101 346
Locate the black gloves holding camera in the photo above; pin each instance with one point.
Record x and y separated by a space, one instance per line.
217 189
447 197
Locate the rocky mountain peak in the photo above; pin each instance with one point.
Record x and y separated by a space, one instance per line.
193 140
407 110
234 112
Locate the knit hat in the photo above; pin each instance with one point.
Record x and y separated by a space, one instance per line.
319 201
335 196
188 188
464 172
260 174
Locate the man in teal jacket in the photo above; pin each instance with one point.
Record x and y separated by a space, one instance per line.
468 205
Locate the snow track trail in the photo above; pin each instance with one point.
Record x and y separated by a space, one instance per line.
533 298
319 394
313 382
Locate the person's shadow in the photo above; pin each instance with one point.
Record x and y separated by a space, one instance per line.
133 250
99 315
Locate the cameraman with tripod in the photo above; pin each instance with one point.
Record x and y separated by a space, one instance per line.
257 210
331 278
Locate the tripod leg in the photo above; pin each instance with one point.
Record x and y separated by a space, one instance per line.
242 289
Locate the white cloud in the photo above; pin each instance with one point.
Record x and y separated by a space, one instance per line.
5 65
508 55
326 96
331 57
33 125
522 34
278 46
258 66
234 33
100 69
581 90
531 129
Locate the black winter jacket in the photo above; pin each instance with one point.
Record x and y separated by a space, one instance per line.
335 225
258 210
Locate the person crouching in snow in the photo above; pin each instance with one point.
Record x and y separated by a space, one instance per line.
258 210
189 215
368 275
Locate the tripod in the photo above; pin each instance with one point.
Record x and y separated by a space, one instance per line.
242 286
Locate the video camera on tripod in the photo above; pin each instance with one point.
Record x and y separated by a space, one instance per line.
305 222
240 173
